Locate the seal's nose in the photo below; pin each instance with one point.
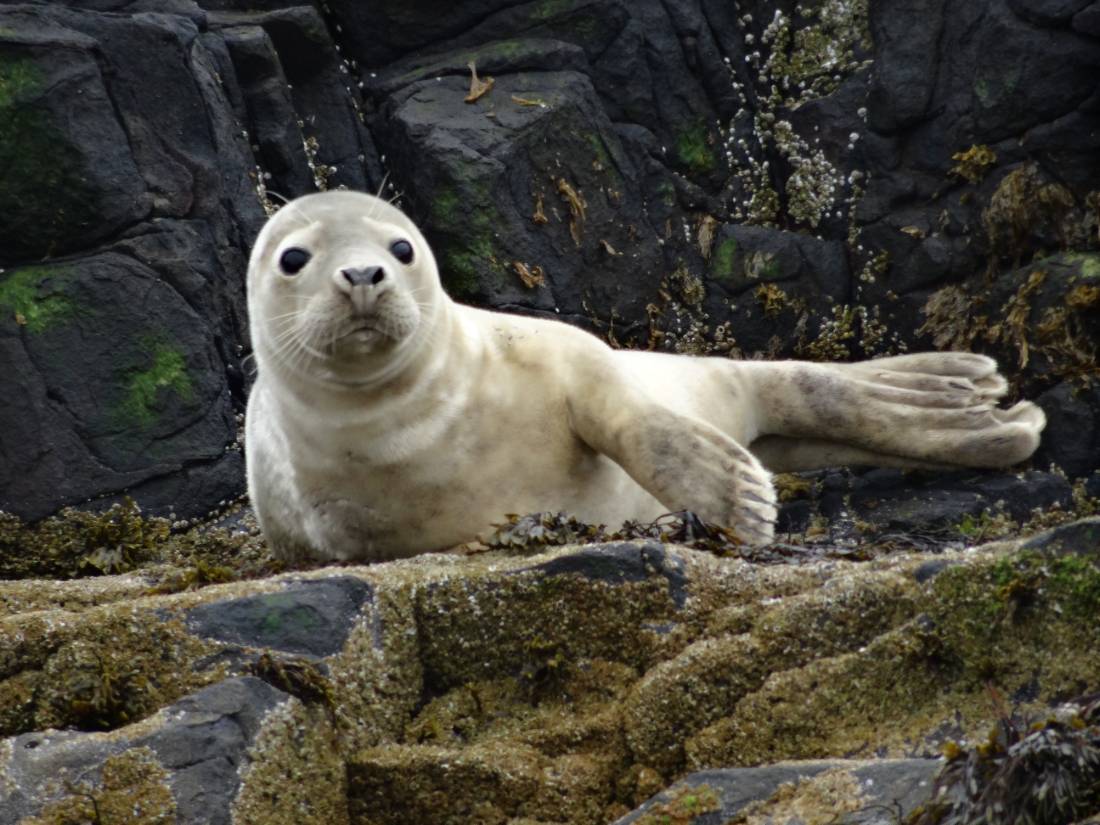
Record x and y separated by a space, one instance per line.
373 275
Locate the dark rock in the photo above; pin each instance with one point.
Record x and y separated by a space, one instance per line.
794 517
1078 538
1087 21
554 152
1092 486
906 37
929 570
1072 437
896 501
69 176
619 563
122 351
115 380
207 742
202 742
896 785
1047 12
311 618
299 91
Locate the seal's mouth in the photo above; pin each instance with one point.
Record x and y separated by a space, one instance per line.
361 332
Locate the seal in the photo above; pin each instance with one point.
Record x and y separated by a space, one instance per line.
387 420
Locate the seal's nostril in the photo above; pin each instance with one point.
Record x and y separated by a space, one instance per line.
366 275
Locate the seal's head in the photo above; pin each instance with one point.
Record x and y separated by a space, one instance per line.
340 285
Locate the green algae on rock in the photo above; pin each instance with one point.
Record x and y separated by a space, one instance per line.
25 294
133 788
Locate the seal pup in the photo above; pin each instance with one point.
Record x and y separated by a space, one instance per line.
387 420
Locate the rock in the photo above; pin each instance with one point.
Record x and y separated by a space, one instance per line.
888 500
1079 537
854 792
55 201
764 279
115 378
552 157
1087 21
928 508
311 618
879 161
194 753
1072 438
568 686
1048 12
1042 318
122 321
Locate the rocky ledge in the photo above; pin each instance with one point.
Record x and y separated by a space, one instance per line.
636 681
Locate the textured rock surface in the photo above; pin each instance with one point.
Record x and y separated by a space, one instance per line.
570 686
846 792
829 179
121 296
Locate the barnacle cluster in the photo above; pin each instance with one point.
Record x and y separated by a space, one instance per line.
797 58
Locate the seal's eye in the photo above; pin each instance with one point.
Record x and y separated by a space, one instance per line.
403 251
292 261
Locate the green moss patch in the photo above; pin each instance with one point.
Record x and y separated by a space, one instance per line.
471 253
694 150
22 295
721 262
145 387
43 188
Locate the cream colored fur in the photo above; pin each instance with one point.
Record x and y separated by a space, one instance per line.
387 420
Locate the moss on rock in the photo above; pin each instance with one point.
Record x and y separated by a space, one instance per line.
43 185
133 789
23 294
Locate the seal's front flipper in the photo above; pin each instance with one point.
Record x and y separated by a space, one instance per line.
685 463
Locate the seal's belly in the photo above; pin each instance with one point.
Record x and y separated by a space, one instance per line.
453 496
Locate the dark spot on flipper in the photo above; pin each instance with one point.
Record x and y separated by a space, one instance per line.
746 514
754 497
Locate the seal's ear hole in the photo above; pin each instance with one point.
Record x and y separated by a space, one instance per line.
292 261
403 251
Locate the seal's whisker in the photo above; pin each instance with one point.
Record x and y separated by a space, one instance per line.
382 185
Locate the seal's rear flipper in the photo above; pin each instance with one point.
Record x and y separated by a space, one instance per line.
918 410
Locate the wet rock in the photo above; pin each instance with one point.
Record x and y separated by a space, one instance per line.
1087 21
764 279
620 563
115 380
937 507
1048 12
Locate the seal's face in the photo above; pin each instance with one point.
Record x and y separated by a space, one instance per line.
339 284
